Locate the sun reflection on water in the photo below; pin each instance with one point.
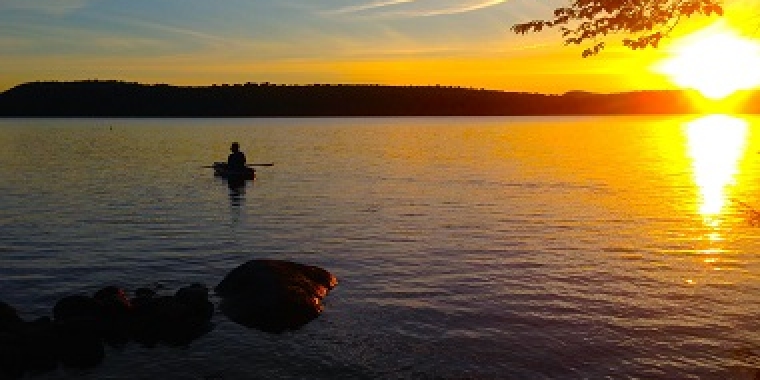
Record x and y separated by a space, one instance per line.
716 143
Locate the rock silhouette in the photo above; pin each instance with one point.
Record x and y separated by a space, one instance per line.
82 325
274 295
173 320
271 295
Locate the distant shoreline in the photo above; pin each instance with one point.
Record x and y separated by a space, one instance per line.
125 99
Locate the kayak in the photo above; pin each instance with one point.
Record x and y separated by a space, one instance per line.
221 170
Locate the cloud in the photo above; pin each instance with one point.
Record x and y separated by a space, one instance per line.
413 8
451 10
55 7
366 7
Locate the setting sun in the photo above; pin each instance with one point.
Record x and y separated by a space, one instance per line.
716 61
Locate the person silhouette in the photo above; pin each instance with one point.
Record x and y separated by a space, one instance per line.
236 159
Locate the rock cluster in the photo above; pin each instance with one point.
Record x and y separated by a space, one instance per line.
270 295
81 326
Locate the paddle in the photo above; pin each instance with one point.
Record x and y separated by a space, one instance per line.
270 164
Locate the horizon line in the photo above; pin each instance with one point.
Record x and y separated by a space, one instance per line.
323 84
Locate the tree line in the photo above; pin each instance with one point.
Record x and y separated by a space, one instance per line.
126 99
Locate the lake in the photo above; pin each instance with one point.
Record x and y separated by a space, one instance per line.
525 248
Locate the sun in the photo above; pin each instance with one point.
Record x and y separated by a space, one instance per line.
716 61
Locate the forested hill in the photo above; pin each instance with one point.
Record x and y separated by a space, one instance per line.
122 99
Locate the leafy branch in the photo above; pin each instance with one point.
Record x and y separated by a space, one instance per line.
646 21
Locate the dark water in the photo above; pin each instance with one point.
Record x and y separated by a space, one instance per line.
465 247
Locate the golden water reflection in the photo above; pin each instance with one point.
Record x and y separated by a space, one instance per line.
716 144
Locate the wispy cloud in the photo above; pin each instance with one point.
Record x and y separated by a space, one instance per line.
419 8
452 10
366 7
171 29
55 7
146 32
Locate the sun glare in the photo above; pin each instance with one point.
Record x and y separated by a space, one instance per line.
716 61
716 144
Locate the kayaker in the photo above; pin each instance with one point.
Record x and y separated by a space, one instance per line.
236 159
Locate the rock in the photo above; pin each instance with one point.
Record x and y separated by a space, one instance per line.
143 297
81 345
274 295
174 320
113 301
26 346
77 308
11 358
195 294
39 344
195 297
168 316
107 314
116 311
8 317
143 328
80 322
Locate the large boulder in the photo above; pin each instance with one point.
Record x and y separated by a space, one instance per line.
274 295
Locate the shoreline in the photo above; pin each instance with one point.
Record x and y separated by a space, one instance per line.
93 99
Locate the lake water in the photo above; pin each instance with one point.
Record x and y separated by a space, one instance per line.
525 248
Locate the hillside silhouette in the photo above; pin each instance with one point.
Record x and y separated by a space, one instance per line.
126 99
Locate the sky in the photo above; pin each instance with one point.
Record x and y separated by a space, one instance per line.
394 42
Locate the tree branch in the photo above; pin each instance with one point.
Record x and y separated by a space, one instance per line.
648 20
